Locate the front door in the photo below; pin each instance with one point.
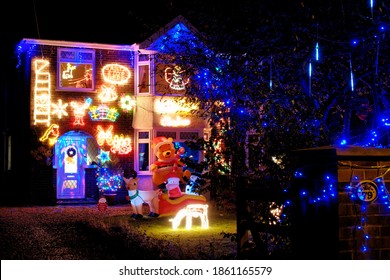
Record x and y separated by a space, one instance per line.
71 170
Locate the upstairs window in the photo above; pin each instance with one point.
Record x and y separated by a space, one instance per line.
76 70
144 74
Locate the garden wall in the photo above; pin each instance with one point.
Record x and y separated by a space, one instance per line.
342 203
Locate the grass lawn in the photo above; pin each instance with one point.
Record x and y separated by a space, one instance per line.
156 234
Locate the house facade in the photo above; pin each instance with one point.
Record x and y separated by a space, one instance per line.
95 110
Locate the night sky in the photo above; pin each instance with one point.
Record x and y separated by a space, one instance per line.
111 22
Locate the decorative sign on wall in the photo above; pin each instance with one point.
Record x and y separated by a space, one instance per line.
116 74
175 77
42 92
367 191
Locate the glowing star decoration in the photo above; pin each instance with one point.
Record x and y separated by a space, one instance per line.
102 112
59 109
104 135
68 73
51 134
174 77
177 121
189 212
104 156
127 103
121 145
116 74
108 94
79 111
42 92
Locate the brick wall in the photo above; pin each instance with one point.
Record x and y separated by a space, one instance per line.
376 214
123 124
337 229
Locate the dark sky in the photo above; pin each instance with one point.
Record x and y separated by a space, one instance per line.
112 21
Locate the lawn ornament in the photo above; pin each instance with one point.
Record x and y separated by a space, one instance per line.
139 197
173 184
194 184
159 202
189 212
167 158
102 204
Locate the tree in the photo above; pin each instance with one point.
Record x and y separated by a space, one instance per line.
260 76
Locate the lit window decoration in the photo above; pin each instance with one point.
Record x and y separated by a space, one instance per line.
68 73
79 111
108 94
104 135
103 112
104 156
51 134
42 92
189 212
116 74
127 103
174 77
59 109
121 145
174 122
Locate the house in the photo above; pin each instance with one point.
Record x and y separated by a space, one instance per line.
94 110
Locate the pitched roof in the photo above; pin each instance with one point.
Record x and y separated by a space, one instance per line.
165 29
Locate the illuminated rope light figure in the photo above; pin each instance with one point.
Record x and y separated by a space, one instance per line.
104 156
59 109
51 134
104 135
108 94
102 112
116 74
177 121
121 145
42 92
127 103
174 76
68 73
79 111
189 212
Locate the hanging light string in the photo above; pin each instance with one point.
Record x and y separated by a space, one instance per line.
270 73
384 197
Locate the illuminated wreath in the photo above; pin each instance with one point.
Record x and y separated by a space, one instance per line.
71 152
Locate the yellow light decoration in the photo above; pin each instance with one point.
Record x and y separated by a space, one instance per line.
189 212
108 94
59 109
116 74
102 112
68 73
173 106
127 103
104 135
177 121
42 92
121 145
51 134
174 77
79 111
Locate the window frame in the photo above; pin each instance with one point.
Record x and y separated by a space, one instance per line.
136 150
76 60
